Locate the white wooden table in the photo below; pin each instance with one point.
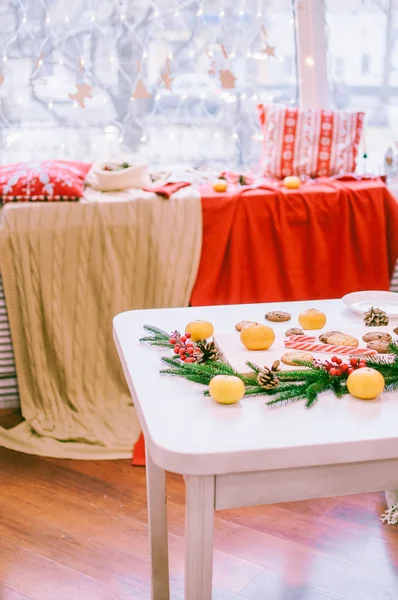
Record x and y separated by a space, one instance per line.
246 454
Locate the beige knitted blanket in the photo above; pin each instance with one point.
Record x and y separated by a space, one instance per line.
68 269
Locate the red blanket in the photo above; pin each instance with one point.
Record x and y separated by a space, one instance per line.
323 240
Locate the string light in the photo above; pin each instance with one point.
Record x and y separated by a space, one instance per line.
190 54
176 13
248 55
210 53
200 12
145 55
143 138
259 15
254 97
157 97
184 97
243 96
309 61
170 56
122 17
156 14
233 54
216 135
50 105
234 136
5 58
48 19
93 18
242 13
66 19
221 14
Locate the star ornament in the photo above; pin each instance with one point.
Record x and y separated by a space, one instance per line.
165 76
269 50
83 92
227 79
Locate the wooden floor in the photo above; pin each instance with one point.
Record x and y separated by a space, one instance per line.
72 530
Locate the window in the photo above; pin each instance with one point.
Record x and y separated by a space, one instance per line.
172 80
366 35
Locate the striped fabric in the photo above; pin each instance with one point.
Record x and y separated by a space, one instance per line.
308 142
9 395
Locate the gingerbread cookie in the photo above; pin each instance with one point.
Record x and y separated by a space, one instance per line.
336 338
277 316
377 335
294 331
381 346
290 358
395 330
239 326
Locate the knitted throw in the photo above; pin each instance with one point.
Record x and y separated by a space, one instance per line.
68 269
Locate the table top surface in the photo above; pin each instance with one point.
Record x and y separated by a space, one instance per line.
187 432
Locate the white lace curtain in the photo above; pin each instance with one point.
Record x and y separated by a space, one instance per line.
170 80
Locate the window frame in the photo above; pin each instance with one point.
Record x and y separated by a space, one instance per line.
311 42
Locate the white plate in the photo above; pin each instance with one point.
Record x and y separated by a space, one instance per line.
360 302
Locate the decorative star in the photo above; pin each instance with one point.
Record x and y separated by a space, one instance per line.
165 76
140 91
227 79
83 92
269 50
1 78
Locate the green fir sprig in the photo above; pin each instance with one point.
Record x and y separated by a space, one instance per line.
295 385
157 337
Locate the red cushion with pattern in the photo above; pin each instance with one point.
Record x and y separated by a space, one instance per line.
50 180
308 142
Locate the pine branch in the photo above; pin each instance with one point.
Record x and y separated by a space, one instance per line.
253 366
156 342
157 331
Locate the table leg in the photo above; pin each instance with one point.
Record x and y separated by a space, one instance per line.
199 517
157 522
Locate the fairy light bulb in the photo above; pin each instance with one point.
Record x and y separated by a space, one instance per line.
241 13
221 14
309 61
156 14
233 54
143 138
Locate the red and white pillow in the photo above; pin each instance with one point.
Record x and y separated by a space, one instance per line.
308 142
47 180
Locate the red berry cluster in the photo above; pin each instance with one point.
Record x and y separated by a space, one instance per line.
337 367
184 347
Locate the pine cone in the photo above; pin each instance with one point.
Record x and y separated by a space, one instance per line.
207 351
375 317
267 379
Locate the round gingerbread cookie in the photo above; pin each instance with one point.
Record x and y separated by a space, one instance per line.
278 316
377 335
294 331
381 346
239 326
290 358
